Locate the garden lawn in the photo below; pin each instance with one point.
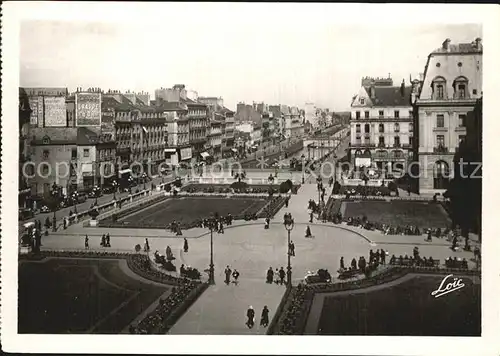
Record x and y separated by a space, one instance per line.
406 309
63 295
190 209
398 213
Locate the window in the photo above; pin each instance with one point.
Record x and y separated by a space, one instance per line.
367 114
358 115
474 91
397 143
410 113
86 152
438 88
396 114
439 91
461 91
460 87
440 121
410 127
358 128
410 140
362 101
381 128
441 175
396 127
45 154
381 113
73 153
440 140
398 154
461 120
45 169
381 141
367 128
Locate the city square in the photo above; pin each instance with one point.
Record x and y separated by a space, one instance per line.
173 202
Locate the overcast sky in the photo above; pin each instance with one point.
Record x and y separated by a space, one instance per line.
271 59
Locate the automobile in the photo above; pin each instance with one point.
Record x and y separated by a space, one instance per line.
108 190
25 213
81 197
322 276
95 193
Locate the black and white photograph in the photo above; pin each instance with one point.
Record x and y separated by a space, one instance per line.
267 169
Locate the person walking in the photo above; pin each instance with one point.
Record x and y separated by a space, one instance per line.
282 275
250 317
264 317
186 246
236 274
308 232
87 242
103 240
108 240
292 249
311 217
342 265
382 256
227 272
270 275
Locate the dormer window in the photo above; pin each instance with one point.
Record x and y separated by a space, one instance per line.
362 101
461 89
438 88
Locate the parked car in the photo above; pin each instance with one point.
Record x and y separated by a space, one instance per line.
82 197
107 190
322 276
26 213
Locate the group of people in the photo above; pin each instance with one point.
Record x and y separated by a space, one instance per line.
175 227
362 266
228 273
105 240
264 317
456 263
280 276
412 261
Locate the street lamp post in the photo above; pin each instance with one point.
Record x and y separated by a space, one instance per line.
211 271
55 195
289 227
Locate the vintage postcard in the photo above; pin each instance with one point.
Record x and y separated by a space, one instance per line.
199 172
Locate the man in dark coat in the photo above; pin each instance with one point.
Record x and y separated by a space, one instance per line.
282 275
292 248
227 272
270 275
186 246
264 317
250 317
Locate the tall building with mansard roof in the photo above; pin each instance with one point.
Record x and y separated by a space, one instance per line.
451 84
381 125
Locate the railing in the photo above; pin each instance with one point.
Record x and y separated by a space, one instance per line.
381 145
397 145
440 149
438 128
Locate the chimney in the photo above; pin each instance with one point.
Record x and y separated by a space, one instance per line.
372 92
402 89
478 43
446 44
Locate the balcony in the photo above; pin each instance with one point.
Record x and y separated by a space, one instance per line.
440 129
460 129
440 149
381 145
397 145
362 145
407 145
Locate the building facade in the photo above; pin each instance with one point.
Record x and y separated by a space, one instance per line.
381 125
451 84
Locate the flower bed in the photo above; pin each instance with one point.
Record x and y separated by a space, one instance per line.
170 309
227 189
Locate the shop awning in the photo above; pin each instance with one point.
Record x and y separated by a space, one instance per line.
170 150
204 154
234 150
125 171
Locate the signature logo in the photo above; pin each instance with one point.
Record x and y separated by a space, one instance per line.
448 284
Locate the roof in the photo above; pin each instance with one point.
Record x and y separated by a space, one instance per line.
190 102
390 96
459 48
55 135
86 137
172 106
